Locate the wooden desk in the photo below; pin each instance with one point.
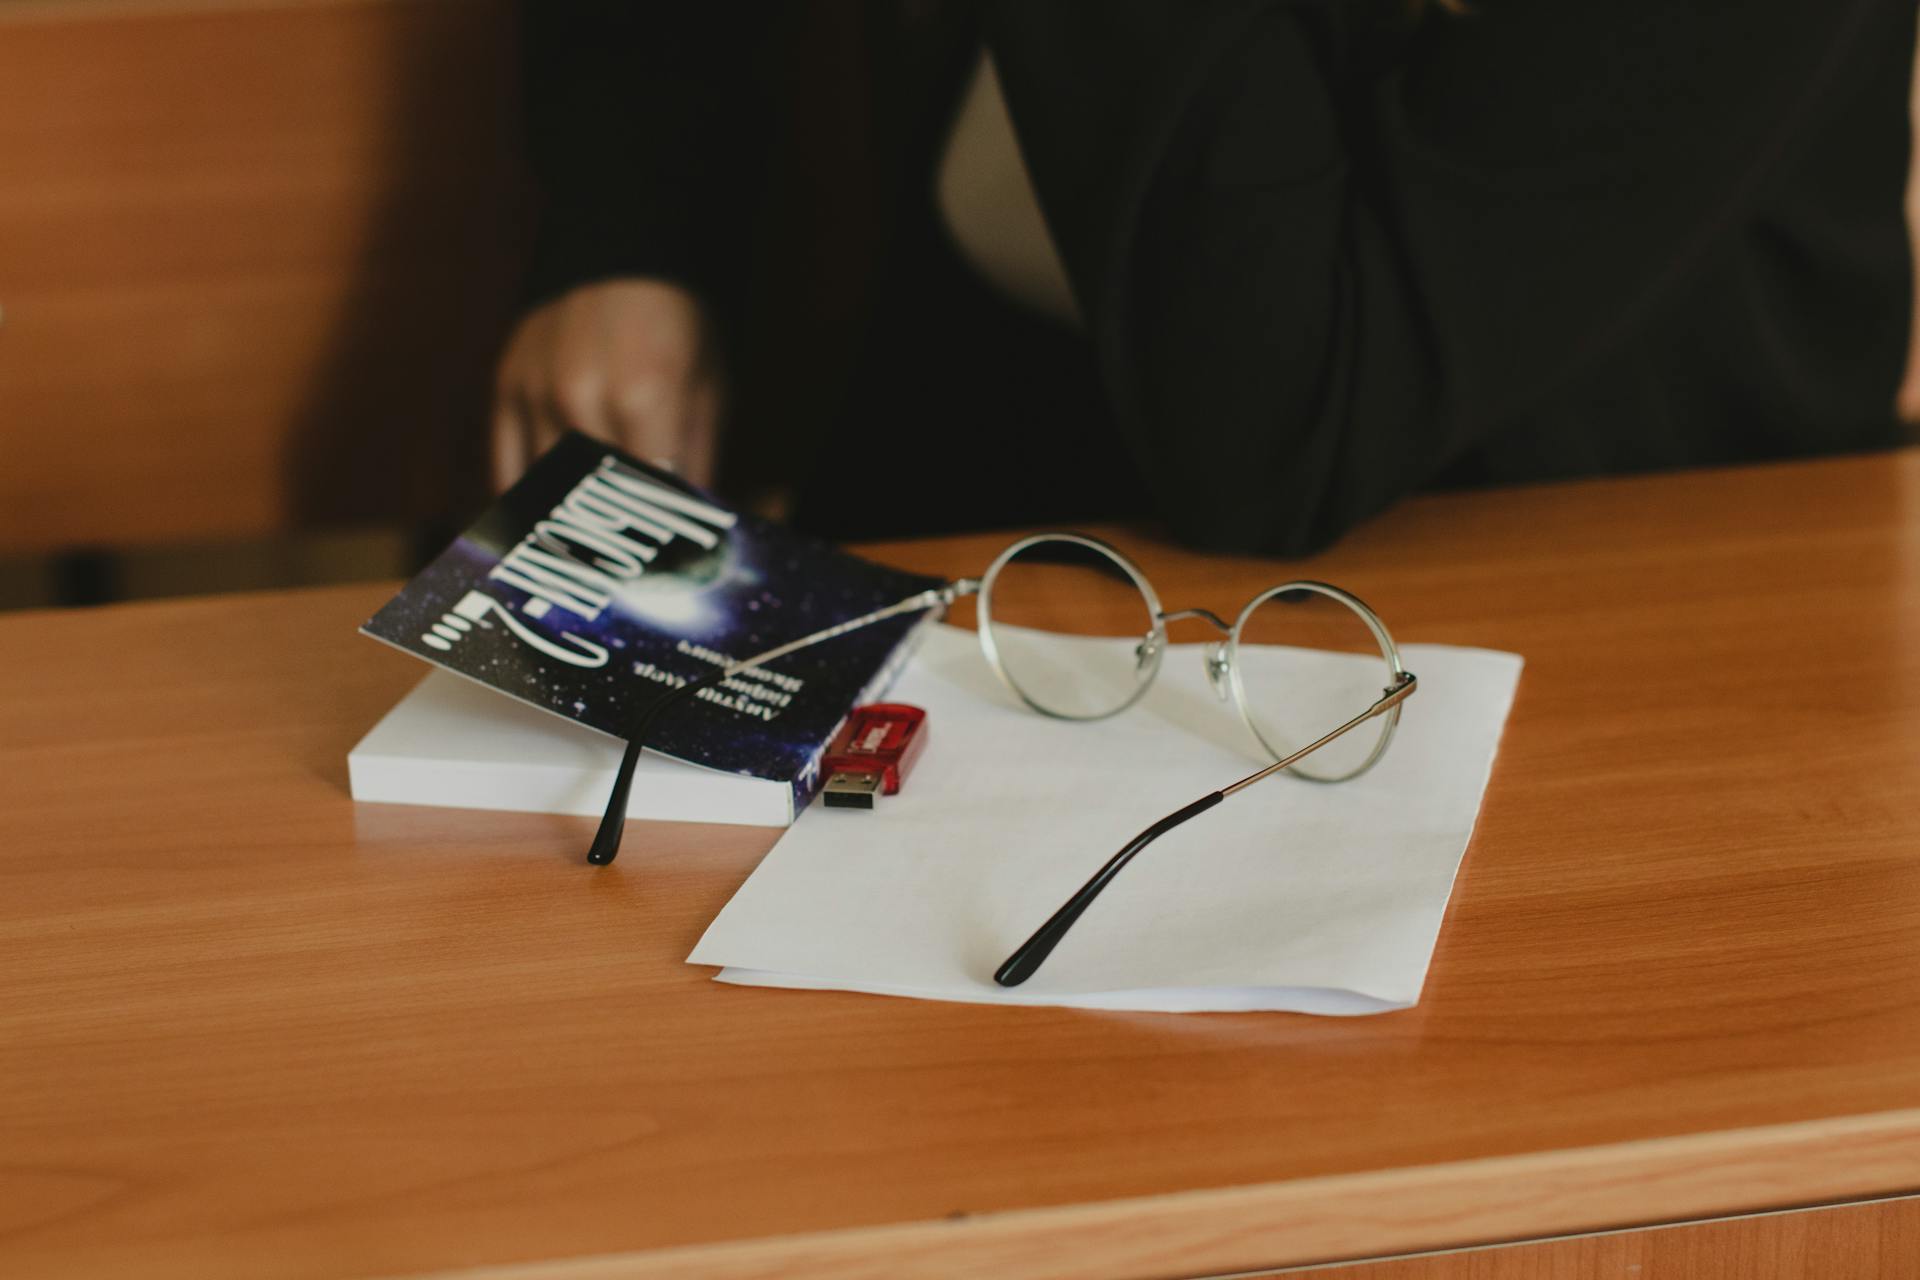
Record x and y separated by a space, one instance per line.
248 1027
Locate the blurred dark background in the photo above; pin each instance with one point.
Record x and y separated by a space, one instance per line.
257 258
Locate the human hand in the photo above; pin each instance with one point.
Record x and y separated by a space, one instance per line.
625 361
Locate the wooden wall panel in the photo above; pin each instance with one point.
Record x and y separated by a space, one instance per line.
255 260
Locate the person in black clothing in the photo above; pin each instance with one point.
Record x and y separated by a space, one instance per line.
1296 258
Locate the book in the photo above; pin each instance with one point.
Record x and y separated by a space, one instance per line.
595 586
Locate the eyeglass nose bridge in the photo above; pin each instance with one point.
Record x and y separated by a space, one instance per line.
1219 665
1206 615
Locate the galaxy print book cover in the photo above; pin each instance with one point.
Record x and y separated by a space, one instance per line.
597 583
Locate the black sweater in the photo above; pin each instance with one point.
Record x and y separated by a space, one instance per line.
1323 259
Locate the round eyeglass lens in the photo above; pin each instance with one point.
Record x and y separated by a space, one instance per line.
1070 626
1306 659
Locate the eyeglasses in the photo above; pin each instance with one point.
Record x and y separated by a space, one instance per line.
1075 631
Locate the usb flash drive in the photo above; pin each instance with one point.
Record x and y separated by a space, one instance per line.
871 754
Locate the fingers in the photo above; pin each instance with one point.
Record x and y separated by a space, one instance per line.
619 361
513 400
509 444
700 436
536 393
647 415
649 349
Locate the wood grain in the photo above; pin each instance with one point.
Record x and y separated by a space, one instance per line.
247 1026
1875 1241
1232 1230
245 248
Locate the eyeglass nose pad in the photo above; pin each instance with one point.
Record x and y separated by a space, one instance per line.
1146 652
1218 669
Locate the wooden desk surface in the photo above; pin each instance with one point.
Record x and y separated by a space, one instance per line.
248 1027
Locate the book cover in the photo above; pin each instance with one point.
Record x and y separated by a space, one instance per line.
597 583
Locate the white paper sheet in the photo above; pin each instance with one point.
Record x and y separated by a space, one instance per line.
1320 898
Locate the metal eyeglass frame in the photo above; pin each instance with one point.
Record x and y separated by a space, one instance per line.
1222 661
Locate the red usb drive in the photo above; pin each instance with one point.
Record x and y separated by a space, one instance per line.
871 754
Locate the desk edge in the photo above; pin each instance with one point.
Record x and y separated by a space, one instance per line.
1325 1219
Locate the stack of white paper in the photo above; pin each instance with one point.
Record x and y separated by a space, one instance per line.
454 741
1322 898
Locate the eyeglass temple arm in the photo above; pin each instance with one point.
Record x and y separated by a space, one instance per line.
606 840
1031 954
